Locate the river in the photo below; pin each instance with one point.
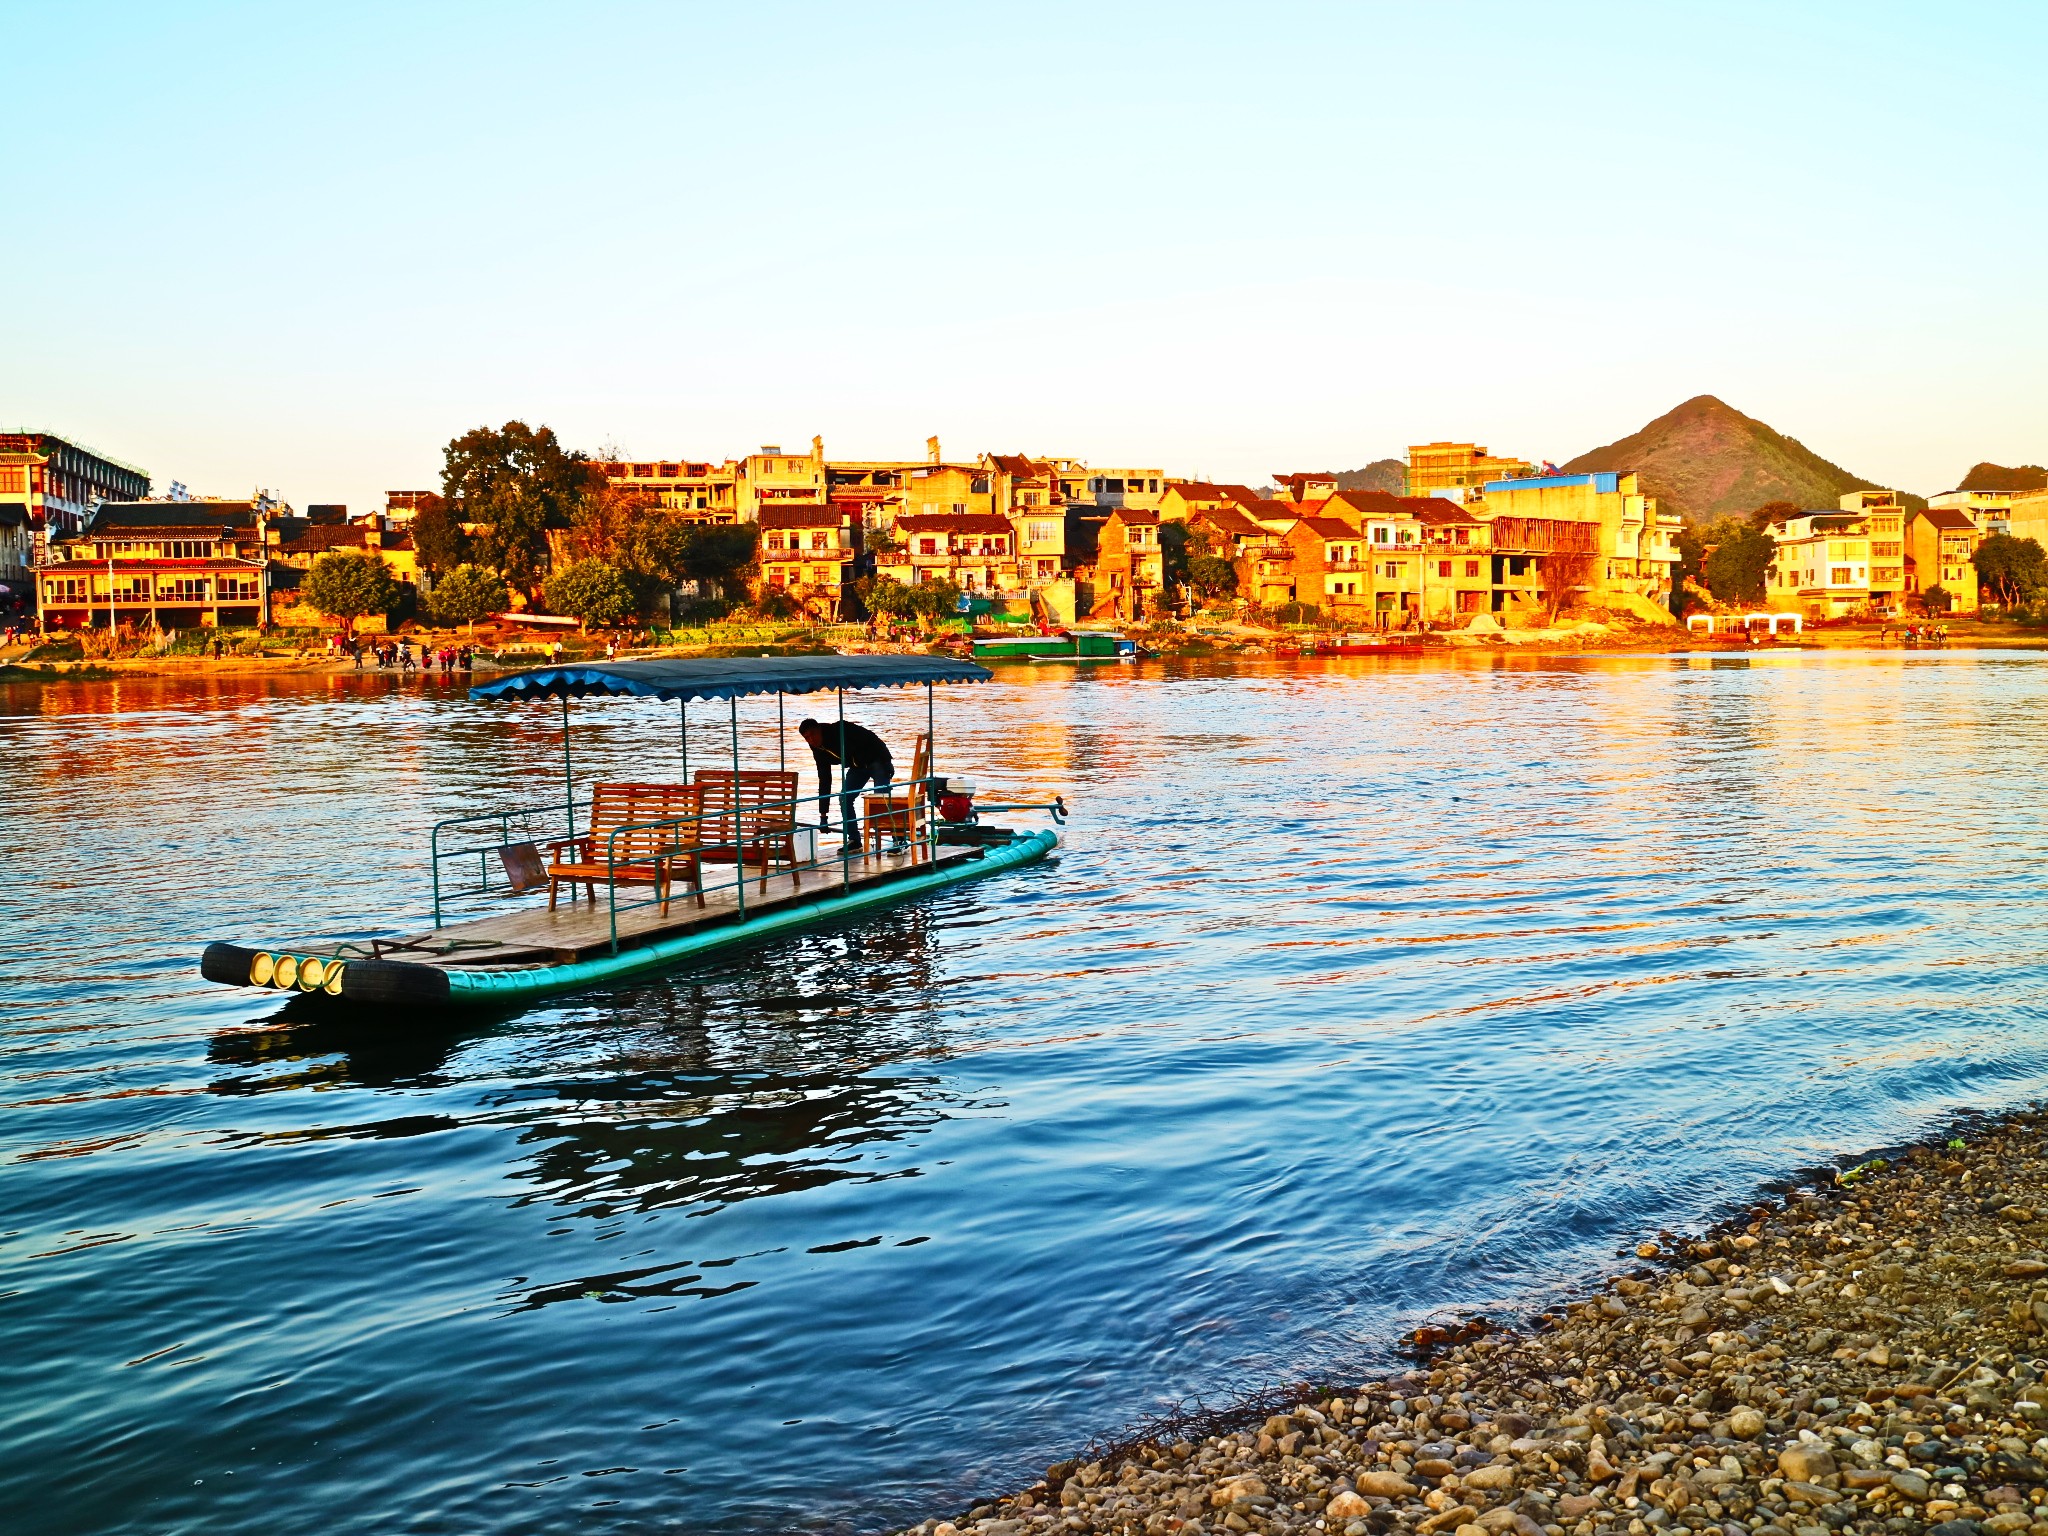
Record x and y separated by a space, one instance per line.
1359 990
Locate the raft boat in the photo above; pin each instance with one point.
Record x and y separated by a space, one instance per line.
648 855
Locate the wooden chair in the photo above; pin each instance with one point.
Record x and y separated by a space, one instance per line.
750 818
645 855
899 816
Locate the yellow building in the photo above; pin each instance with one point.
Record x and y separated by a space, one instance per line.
806 553
974 551
1840 564
1636 545
704 491
1939 544
772 478
2027 517
1182 499
1439 467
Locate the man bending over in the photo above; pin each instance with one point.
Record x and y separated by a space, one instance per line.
863 762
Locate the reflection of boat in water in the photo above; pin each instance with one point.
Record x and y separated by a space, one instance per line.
646 853
1067 645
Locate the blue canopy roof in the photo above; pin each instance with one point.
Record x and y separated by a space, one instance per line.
728 677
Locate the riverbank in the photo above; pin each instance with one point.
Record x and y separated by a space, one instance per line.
1858 1359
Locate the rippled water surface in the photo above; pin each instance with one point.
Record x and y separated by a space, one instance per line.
1359 989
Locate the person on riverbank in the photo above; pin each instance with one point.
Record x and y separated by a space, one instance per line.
863 760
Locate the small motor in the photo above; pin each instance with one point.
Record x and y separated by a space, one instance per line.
956 800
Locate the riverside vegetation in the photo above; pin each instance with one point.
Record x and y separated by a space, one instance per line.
1858 1360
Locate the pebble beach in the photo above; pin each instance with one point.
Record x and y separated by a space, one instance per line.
1857 1358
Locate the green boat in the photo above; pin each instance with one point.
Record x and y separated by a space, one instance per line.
646 853
1069 645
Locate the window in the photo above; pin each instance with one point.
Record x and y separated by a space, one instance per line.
1039 533
1883 550
1048 568
13 479
1031 498
235 589
1461 536
959 509
1471 567
1839 576
927 546
775 541
979 486
64 589
184 589
643 471
1443 567
1393 568
818 541
1381 534
1113 485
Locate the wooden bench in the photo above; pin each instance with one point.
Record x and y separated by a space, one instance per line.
749 818
644 855
899 816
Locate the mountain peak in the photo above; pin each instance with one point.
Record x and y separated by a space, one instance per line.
1704 459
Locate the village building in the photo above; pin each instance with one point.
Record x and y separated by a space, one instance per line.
1634 545
1304 489
1939 545
703 491
1457 471
2027 517
807 553
1332 571
1129 567
772 478
1182 499
1108 489
1989 512
973 550
58 483
17 553
159 564
1262 559
1840 563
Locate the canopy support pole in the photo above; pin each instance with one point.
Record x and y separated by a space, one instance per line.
683 732
568 771
931 769
781 736
845 812
739 842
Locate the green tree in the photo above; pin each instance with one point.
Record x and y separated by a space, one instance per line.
519 483
646 543
437 536
468 593
591 592
932 601
349 586
2010 571
1738 564
720 556
1174 544
885 596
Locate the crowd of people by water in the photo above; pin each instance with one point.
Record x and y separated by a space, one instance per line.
403 656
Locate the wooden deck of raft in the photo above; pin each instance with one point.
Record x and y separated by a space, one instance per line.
536 935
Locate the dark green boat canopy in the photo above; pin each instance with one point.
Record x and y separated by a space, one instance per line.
728 677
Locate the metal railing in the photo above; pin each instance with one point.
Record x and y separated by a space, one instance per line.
656 852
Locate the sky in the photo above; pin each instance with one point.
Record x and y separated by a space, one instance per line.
300 247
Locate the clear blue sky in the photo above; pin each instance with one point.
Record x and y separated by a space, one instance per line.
302 245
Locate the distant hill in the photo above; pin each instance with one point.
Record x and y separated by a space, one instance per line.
1706 460
1996 477
1389 475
